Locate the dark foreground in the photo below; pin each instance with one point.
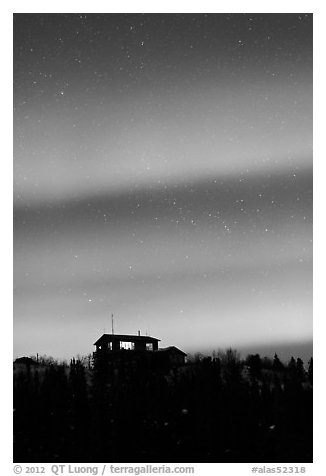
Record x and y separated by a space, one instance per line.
210 410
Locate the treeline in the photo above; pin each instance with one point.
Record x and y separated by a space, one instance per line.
213 409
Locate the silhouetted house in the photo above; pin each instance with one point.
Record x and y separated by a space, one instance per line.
126 350
172 356
116 345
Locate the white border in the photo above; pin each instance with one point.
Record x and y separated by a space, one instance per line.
318 467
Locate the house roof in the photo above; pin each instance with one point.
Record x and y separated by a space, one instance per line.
172 348
125 338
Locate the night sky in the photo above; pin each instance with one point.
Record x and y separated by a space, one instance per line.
163 173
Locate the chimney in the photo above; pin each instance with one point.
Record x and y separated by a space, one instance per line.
138 333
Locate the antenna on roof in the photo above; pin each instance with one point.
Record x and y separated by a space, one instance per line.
112 324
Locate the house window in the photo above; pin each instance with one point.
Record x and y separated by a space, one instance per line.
127 345
149 346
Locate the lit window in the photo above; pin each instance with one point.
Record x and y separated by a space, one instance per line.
127 345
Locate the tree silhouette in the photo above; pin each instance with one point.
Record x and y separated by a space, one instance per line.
206 411
310 370
277 364
300 369
255 365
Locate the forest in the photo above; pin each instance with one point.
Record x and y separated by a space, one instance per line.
222 408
